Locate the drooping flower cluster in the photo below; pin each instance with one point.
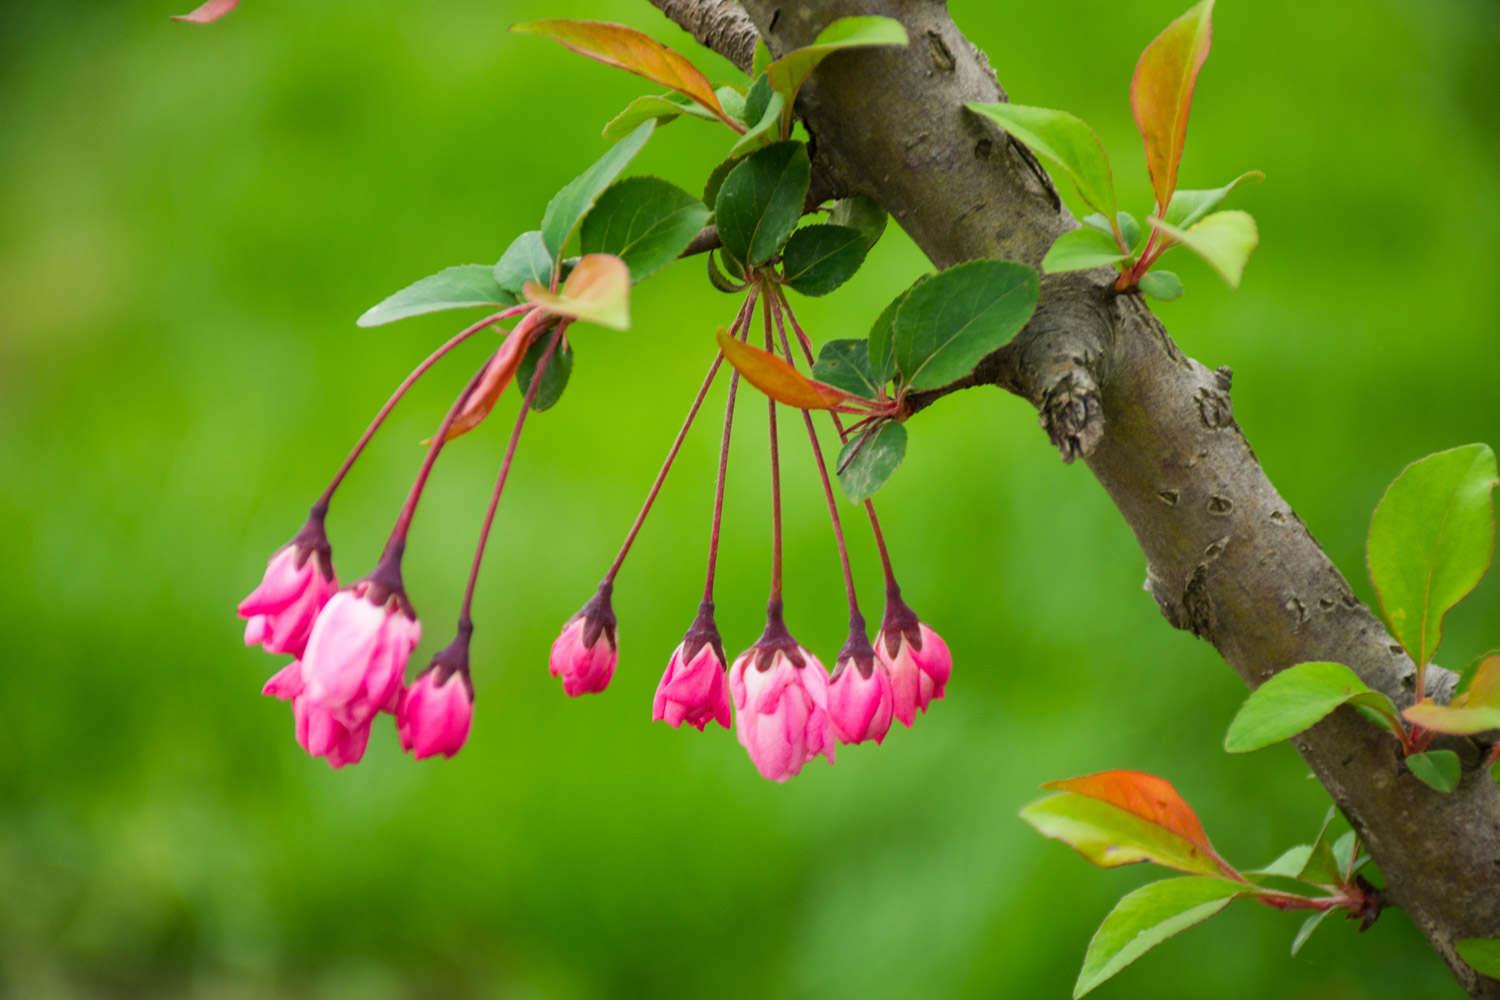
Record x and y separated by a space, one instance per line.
351 646
779 697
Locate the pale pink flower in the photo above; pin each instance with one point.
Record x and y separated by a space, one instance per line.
318 732
298 582
781 703
434 713
693 689
209 12
860 694
356 656
918 661
584 654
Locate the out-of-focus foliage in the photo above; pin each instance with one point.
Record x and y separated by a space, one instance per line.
195 217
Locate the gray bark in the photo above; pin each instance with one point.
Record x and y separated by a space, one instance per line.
1228 558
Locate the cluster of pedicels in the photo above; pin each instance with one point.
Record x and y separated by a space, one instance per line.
351 645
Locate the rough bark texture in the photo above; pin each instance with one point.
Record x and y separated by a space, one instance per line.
1228 559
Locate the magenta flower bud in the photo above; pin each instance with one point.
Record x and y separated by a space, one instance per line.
435 711
584 654
356 656
694 688
860 694
917 658
781 700
318 732
299 580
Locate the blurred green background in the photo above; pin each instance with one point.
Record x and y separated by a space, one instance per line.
192 218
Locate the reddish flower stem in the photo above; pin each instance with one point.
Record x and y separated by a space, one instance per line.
741 323
465 619
891 587
396 544
666 467
321 506
773 302
775 601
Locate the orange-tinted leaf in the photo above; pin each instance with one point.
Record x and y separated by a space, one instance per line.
1476 710
1162 92
497 375
631 50
1144 795
597 291
208 12
779 380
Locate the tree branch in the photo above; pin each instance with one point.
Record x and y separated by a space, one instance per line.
1228 558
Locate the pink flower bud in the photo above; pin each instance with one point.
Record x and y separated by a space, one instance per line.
693 689
435 711
860 695
781 700
919 664
298 581
357 653
584 654
318 732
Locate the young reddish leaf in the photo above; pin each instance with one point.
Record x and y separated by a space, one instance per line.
1151 798
497 375
1476 710
1161 94
779 380
597 291
209 12
638 53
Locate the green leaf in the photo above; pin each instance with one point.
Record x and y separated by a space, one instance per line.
568 207
882 353
1130 229
949 322
1296 699
1082 249
1289 864
1147 917
733 100
451 288
860 213
1225 240
644 221
761 59
1482 954
1437 769
820 258
1431 540
1108 836
766 130
1188 207
728 283
757 100
526 259
1323 866
554 377
1064 143
868 460
1163 285
761 200
788 73
660 108
1309 925
846 364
